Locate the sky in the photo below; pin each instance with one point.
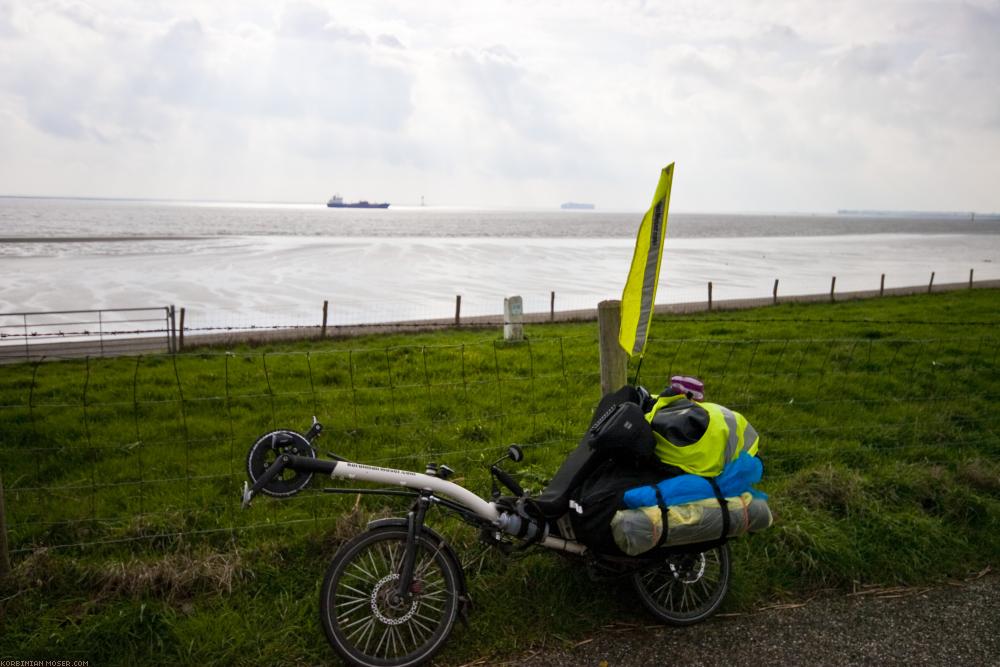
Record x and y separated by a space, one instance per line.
764 106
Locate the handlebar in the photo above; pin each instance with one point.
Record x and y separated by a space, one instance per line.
507 480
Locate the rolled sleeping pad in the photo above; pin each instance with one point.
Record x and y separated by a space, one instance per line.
639 530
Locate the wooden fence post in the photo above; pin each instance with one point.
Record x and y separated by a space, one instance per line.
458 309
710 295
970 278
4 551
180 340
322 330
833 286
930 285
552 306
881 287
774 294
173 328
614 361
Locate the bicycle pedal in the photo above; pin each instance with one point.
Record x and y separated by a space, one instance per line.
247 495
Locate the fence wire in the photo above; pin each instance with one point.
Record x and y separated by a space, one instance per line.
105 451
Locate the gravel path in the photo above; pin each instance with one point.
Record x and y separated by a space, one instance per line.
947 625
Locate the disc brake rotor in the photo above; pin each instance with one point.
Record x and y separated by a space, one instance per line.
386 605
688 573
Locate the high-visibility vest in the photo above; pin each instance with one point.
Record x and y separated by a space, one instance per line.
699 438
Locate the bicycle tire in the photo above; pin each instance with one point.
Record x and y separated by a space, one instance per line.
686 588
363 621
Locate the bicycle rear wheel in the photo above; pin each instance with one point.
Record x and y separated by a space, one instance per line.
365 620
685 588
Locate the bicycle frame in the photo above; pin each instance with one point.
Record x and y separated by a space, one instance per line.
434 489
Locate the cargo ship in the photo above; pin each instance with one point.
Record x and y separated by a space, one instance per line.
336 201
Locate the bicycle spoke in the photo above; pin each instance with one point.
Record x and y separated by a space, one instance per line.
362 594
364 629
365 574
345 610
427 630
416 642
358 621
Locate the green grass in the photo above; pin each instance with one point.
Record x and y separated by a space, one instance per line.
879 436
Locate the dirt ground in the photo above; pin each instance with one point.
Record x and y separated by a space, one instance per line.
956 624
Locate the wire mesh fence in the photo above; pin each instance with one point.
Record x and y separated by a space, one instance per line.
130 331
26 336
101 451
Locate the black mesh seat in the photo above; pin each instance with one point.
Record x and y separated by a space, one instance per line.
554 500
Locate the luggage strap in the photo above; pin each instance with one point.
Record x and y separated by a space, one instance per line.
723 505
663 512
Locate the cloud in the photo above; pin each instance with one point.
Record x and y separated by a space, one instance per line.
390 42
7 28
166 76
804 105
302 20
176 69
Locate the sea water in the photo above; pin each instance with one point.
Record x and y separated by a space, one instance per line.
265 264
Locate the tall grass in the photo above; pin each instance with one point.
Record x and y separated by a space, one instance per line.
879 436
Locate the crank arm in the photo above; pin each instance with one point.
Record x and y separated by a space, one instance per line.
272 471
299 463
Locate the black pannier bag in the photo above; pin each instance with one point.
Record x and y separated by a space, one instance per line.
623 432
619 427
601 495
615 454
624 441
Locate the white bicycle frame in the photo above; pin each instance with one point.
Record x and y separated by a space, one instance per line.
500 519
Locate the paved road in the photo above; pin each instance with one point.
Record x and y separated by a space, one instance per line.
946 625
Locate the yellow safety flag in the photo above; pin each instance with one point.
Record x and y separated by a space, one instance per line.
640 288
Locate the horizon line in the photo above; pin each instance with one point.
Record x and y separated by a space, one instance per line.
857 212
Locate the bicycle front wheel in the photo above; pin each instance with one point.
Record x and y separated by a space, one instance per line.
365 619
685 588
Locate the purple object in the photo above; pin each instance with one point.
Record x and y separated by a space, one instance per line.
693 387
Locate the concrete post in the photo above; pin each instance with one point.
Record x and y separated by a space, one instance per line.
513 319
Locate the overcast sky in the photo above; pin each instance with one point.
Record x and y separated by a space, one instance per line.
764 106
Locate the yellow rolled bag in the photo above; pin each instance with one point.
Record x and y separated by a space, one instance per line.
639 530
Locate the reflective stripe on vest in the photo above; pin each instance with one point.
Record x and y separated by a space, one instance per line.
733 441
750 438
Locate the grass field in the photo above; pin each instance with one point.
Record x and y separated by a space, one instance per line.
879 436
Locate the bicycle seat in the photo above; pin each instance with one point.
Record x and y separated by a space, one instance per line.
554 500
